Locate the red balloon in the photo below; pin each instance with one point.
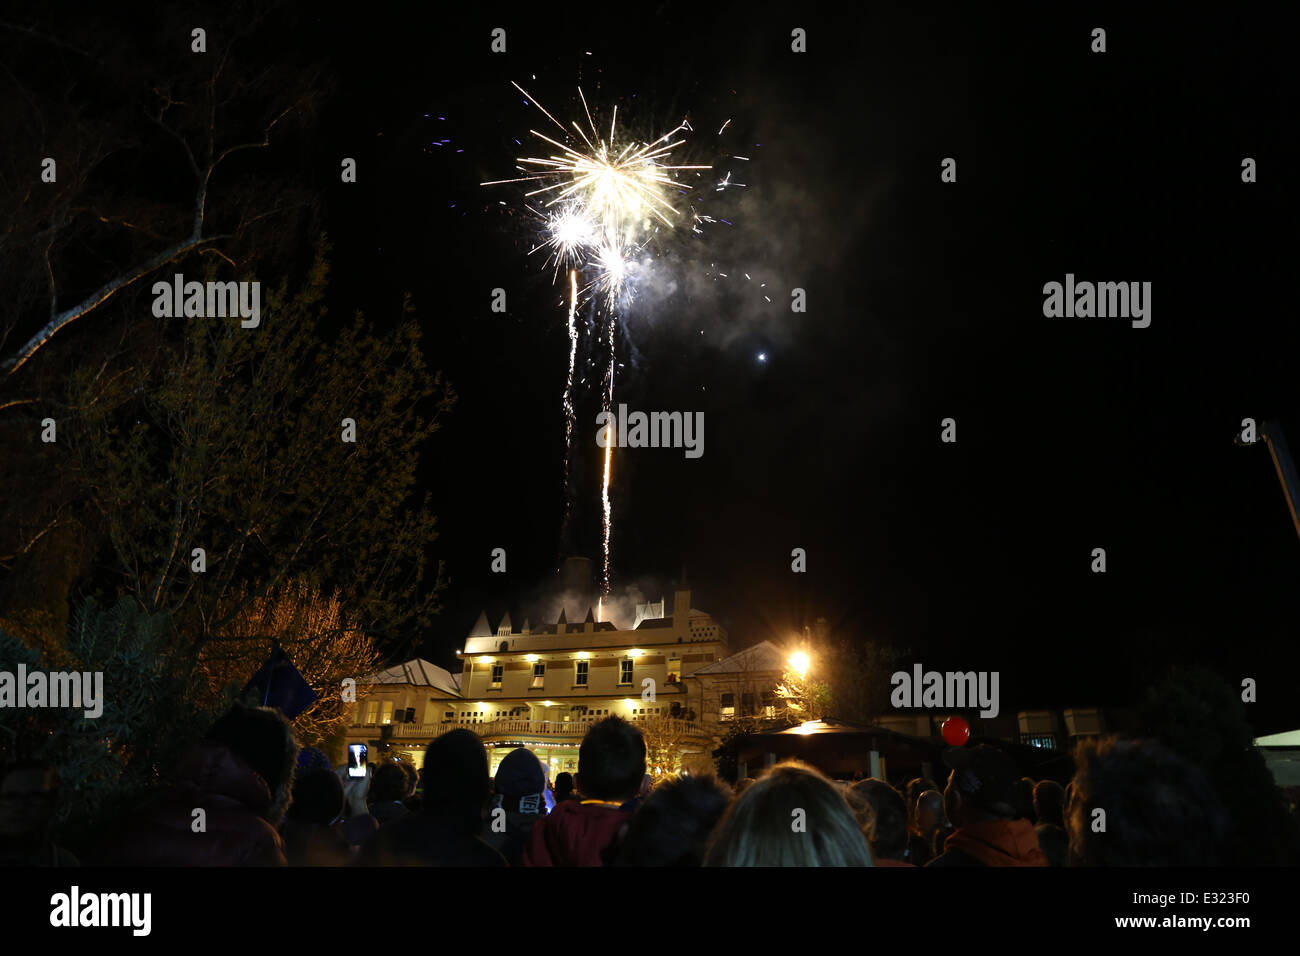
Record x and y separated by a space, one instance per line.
955 731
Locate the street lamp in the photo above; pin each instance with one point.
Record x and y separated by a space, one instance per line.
799 661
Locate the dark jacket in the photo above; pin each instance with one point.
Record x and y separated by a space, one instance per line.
993 843
388 811
511 842
576 834
233 797
314 844
920 848
426 839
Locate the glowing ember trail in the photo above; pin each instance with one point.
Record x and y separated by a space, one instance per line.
569 412
603 199
609 457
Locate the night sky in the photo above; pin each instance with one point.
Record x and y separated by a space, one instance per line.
924 302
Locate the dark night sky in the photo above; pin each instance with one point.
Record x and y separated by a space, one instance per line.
924 300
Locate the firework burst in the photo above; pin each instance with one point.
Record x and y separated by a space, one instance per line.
601 201
609 195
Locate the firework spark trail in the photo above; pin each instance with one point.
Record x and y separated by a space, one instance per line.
610 200
570 415
607 523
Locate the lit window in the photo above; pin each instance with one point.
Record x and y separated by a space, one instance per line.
727 710
497 671
539 675
386 716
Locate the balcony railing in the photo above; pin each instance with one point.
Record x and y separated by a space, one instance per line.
516 726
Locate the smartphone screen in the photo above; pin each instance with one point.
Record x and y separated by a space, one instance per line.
356 760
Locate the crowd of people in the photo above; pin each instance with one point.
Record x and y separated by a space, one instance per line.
248 795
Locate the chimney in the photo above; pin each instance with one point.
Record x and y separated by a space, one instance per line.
681 607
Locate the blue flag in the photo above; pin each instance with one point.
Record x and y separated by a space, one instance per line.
278 684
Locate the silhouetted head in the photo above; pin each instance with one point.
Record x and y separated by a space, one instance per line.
317 796
262 738
792 816
984 785
388 783
929 811
1159 810
611 760
456 781
672 826
519 782
1049 803
563 786
885 823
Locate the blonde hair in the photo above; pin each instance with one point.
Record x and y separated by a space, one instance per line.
761 827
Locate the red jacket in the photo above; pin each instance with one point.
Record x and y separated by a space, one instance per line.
575 834
993 843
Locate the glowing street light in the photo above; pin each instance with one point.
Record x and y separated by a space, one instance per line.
799 661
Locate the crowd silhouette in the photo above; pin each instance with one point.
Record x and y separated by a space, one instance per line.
247 795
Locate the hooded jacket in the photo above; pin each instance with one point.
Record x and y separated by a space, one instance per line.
993 843
235 800
575 834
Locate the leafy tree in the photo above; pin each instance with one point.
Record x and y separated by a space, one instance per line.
664 738
805 697
317 634
231 440
857 676
165 161
847 679
152 711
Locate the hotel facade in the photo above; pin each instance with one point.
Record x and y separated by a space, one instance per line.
542 687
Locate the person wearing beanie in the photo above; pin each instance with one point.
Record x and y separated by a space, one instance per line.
517 803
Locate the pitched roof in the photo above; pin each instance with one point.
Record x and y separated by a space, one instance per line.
420 673
761 657
480 628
